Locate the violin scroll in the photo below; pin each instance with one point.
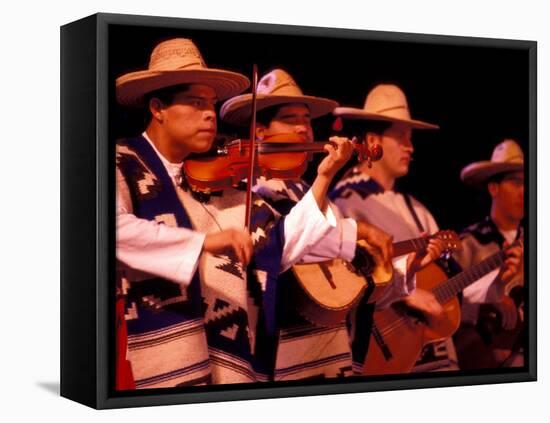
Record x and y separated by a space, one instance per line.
364 153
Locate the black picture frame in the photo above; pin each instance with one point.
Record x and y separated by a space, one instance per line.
88 231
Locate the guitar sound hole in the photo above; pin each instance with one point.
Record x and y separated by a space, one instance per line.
362 263
417 316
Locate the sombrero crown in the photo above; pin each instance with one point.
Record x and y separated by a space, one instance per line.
174 62
384 102
507 157
275 88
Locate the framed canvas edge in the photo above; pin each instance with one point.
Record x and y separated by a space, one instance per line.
532 276
105 197
283 29
78 220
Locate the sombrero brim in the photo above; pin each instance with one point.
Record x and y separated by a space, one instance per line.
360 114
131 88
477 174
237 110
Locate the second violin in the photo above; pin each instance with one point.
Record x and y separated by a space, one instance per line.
282 156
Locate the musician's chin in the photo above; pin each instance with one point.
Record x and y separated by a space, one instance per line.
403 169
519 214
203 141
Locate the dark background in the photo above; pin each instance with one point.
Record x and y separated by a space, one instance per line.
477 95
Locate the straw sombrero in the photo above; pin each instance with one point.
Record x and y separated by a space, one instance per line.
275 88
174 62
507 157
386 103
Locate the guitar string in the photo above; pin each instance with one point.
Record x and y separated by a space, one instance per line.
480 268
418 244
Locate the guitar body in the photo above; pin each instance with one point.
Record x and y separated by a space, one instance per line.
326 291
428 279
393 351
479 351
399 334
488 345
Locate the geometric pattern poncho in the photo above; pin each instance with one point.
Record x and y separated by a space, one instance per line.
304 350
220 328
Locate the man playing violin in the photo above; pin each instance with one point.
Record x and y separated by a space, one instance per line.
200 290
492 307
305 349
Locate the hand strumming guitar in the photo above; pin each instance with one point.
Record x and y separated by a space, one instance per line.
337 157
512 264
425 302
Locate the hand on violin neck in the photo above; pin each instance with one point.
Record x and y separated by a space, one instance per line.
339 152
332 163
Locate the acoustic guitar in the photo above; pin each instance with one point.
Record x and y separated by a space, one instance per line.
399 333
489 345
326 291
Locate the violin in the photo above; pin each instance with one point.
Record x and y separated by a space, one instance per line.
281 156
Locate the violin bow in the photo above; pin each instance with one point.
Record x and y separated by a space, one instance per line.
252 158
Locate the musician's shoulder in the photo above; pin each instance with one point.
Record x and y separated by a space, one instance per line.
484 231
415 201
355 181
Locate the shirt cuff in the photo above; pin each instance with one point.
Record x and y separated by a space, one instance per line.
305 226
400 286
349 239
484 290
331 218
190 262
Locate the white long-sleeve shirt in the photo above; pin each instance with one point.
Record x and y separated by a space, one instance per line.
150 248
338 242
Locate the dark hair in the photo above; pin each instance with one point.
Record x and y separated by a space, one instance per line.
166 95
265 116
498 178
375 126
360 128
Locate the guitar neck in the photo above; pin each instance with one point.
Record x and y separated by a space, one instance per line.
410 246
451 287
